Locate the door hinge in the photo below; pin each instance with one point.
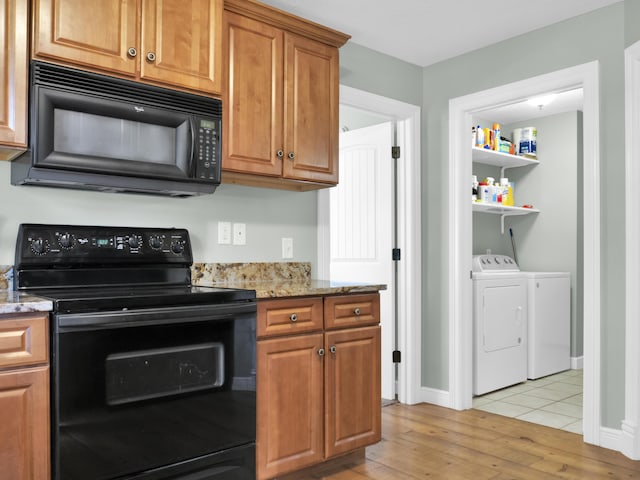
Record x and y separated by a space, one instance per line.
395 254
395 152
397 356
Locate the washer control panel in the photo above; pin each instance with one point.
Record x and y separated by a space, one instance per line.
39 244
494 263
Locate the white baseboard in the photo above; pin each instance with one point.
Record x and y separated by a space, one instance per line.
612 439
442 398
577 363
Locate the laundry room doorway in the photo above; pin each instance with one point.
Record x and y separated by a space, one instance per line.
461 111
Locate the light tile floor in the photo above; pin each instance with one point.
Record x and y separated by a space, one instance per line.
554 401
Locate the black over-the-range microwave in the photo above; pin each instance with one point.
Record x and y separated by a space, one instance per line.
91 131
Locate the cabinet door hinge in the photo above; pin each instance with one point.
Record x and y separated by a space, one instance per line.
395 254
397 357
395 152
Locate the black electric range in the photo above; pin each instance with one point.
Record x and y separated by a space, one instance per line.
151 378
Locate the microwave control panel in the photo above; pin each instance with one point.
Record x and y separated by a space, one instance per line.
207 149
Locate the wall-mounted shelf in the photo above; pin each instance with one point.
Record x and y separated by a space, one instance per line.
500 159
502 210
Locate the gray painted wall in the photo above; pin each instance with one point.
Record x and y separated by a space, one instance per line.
595 36
547 241
268 215
375 72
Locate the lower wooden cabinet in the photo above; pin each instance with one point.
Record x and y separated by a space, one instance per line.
24 398
352 389
318 393
290 402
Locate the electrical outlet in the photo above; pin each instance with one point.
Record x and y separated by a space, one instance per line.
224 233
239 234
287 247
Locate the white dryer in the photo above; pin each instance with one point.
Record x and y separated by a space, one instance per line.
549 323
499 323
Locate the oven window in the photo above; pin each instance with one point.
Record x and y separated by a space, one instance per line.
162 372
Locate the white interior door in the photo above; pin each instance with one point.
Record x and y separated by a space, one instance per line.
362 226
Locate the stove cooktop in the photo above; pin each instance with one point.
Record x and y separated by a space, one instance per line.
72 300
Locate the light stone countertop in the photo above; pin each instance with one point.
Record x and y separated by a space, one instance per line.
20 302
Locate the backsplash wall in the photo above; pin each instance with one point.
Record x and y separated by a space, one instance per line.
268 214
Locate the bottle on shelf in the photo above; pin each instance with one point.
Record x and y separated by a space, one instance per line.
496 137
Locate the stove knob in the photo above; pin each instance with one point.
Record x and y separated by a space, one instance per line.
133 241
156 242
177 248
66 240
39 246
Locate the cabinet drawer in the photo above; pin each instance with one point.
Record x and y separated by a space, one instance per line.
290 316
343 311
23 340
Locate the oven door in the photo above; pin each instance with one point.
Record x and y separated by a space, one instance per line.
154 394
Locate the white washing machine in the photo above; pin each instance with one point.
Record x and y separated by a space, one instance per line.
499 323
549 323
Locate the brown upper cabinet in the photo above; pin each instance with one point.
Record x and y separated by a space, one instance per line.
175 43
13 81
280 100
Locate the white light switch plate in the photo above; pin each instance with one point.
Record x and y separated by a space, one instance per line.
224 233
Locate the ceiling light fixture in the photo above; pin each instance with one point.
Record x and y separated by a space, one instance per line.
542 101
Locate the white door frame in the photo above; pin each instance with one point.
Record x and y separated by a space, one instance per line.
460 230
409 285
630 424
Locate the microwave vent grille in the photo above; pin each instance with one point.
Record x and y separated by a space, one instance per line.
46 74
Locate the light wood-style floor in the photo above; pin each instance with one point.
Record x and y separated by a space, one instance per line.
429 442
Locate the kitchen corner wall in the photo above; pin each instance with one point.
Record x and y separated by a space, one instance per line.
268 214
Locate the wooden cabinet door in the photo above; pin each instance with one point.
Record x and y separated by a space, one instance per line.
252 103
352 389
24 423
95 34
289 404
182 43
14 80
311 105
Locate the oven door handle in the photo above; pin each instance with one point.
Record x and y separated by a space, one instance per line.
151 316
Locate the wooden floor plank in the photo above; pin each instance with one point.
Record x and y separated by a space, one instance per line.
430 442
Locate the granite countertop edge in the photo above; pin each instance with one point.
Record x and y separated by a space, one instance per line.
281 289
20 302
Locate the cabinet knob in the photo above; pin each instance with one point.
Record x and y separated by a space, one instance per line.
356 311
151 57
132 52
333 349
291 155
293 317
321 352
280 154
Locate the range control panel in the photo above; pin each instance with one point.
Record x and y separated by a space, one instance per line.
39 244
494 263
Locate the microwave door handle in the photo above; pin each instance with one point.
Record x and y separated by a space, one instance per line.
192 152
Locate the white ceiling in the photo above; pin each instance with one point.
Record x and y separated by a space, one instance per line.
424 32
